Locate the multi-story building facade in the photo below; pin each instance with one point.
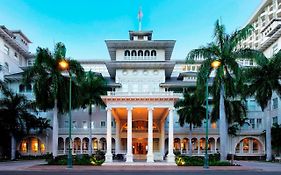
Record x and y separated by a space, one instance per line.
140 120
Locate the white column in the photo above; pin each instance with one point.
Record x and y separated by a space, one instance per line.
171 156
64 145
81 146
198 141
117 139
215 145
129 156
162 138
108 155
150 155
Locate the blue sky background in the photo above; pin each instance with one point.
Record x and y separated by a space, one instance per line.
84 25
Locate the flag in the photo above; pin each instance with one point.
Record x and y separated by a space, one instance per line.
140 14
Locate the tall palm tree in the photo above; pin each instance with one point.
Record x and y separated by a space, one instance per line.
93 86
191 110
224 48
14 109
264 80
51 87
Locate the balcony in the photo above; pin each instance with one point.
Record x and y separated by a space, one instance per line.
83 131
141 94
272 27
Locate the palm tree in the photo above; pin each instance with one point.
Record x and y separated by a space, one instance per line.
264 80
93 86
192 111
51 87
224 49
14 109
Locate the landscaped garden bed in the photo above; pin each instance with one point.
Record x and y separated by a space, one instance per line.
81 159
214 160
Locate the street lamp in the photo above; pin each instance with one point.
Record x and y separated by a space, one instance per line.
215 64
64 65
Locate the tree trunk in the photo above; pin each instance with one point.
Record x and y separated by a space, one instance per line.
55 130
90 130
268 133
223 126
13 147
190 140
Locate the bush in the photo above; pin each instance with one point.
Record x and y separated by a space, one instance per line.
220 163
214 160
81 159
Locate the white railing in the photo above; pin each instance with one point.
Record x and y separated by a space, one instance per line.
83 131
166 93
272 27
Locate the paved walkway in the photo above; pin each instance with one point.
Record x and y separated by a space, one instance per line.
38 165
263 166
20 165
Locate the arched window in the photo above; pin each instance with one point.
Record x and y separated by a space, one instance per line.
127 53
140 53
21 88
153 53
146 53
134 53
28 88
7 67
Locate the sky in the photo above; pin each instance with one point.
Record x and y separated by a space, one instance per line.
84 25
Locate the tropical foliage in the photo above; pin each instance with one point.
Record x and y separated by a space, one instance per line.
51 87
93 86
276 138
263 80
191 110
226 83
18 116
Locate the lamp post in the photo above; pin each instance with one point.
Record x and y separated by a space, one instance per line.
215 64
64 65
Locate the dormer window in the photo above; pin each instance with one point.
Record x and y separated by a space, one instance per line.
153 53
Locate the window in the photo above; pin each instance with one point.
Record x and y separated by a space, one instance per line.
21 88
146 53
134 53
66 125
252 123
275 103
127 53
6 49
7 67
275 49
251 62
140 53
84 124
102 124
153 53
259 124
28 88
275 120
113 124
74 124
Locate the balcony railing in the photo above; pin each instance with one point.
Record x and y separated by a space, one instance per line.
83 130
272 27
141 94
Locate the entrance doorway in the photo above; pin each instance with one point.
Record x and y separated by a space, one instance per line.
140 146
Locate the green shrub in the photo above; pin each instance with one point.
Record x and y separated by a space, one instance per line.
214 160
81 159
220 163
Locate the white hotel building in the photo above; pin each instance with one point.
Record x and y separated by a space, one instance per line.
140 120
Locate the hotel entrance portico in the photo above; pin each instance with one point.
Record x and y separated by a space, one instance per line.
140 122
